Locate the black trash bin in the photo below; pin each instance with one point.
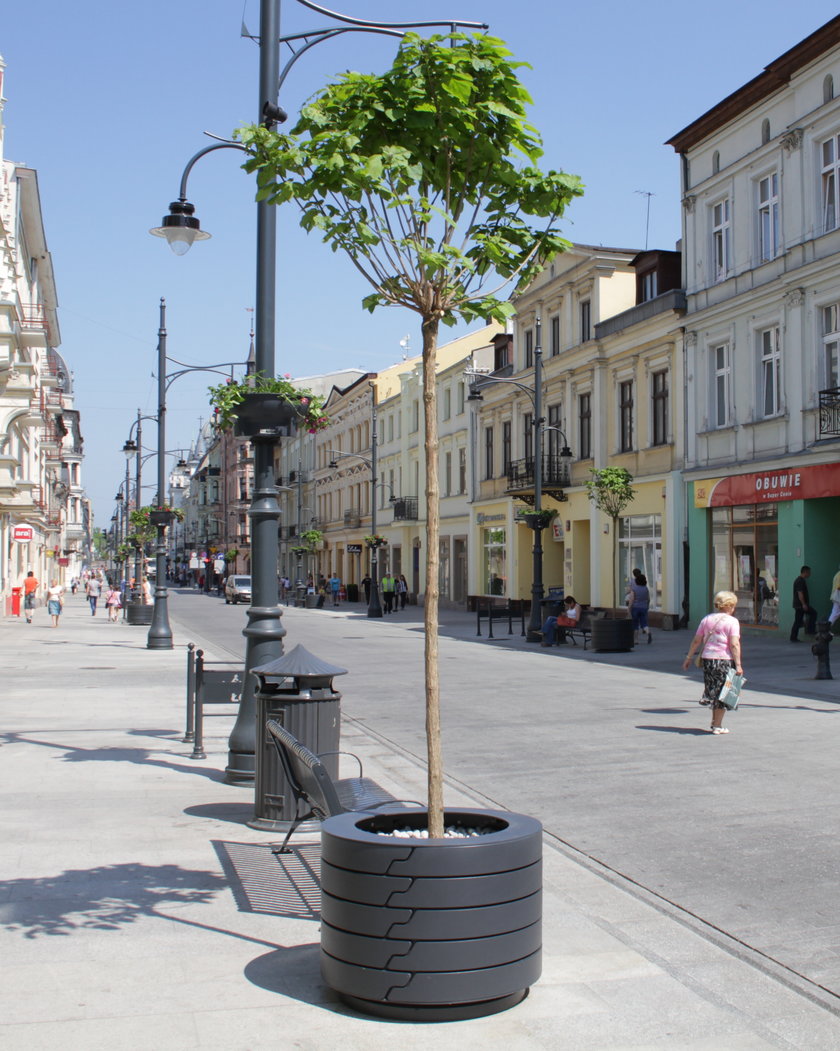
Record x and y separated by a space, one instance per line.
352 592
297 691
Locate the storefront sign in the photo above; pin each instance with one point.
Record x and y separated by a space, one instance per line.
354 549
481 518
22 534
792 483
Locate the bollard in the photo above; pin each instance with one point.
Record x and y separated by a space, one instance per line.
489 620
522 615
198 742
822 641
189 732
478 616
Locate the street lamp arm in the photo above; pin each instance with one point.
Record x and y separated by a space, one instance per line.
356 25
226 145
343 456
482 377
390 25
172 376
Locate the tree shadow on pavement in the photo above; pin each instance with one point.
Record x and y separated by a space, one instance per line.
106 898
138 756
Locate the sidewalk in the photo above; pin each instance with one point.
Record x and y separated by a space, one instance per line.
138 909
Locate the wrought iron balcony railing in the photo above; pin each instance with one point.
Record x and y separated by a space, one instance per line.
555 473
830 412
405 509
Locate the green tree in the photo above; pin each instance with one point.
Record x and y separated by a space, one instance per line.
611 490
426 176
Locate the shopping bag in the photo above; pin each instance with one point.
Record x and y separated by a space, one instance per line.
730 695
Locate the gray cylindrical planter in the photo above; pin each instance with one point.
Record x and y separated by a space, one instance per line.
431 930
137 613
611 635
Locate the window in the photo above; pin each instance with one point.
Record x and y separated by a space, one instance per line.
390 428
528 423
447 403
660 407
555 438
765 131
462 470
625 416
716 162
640 547
585 426
529 348
415 415
447 475
771 368
828 88
768 217
829 174
585 321
554 334
460 399
721 249
506 457
495 561
488 452
831 346
649 285
721 385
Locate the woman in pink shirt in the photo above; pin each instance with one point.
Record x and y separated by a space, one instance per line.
718 637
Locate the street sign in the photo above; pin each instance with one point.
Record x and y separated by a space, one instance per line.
23 534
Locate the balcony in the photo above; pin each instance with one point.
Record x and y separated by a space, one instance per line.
405 509
556 475
830 413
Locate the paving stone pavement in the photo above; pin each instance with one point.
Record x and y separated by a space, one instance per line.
138 910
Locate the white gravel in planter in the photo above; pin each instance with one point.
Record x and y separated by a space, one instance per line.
450 832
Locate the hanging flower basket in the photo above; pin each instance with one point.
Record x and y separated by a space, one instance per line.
375 541
265 406
160 518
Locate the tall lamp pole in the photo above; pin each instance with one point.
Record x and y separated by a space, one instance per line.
160 632
562 475
264 633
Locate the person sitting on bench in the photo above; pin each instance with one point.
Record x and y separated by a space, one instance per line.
570 618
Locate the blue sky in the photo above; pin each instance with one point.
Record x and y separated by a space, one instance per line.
109 101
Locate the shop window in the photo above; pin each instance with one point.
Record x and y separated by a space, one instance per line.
494 546
640 547
745 554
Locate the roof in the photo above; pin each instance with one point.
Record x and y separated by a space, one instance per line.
776 75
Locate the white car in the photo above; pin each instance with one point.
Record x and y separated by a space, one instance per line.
237 589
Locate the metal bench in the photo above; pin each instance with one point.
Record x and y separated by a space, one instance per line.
314 791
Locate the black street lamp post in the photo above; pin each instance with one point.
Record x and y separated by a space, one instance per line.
160 632
535 520
264 633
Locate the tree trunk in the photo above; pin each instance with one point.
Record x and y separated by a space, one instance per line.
430 609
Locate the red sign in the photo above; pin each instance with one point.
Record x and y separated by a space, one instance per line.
787 483
22 534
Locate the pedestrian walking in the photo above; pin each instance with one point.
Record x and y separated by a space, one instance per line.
335 588
835 598
389 591
638 602
718 638
30 587
803 611
147 599
366 584
402 590
93 591
55 601
113 603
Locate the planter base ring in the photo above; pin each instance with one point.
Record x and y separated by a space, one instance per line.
434 1012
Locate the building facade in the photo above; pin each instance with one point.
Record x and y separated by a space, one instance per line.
761 242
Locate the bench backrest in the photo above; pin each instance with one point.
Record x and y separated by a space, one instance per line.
307 776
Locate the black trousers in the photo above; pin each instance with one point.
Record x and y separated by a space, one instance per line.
806 617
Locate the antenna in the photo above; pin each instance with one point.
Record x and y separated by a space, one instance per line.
648 194
406 346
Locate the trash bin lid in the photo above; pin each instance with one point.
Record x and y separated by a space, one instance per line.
297 664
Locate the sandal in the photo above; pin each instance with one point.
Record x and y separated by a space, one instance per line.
719 730
704 701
